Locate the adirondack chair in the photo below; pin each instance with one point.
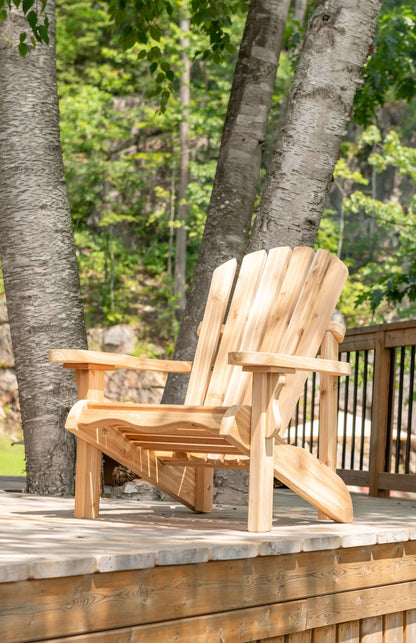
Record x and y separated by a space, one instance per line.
246 378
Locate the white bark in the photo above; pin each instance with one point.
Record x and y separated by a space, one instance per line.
38 254
181 235
300 10
336 46
234 190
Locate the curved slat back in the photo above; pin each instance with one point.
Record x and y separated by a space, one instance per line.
258 319
282 303
242 302
218 296
309 321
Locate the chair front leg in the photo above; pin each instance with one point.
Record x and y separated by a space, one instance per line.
90 384
260 500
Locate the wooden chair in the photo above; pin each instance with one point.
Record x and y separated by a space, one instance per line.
246 378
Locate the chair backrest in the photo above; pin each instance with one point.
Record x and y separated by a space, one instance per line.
282 302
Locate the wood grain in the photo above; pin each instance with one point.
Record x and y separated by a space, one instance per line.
348 632
371 630
355 583
298 363
77 358
90 385
210 332
277 619
328 409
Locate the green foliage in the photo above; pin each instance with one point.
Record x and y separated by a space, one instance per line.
390 68
378 242
37 22
12 458
121 157
392 280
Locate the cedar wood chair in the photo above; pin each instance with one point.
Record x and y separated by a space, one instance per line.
245 381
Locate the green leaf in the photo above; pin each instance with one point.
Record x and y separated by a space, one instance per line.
170 75
3 15
153 67
23 49
43 34
16 3
32 18
27 4
155 32
154 53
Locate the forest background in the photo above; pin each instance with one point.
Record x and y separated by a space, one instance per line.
122 160
122 116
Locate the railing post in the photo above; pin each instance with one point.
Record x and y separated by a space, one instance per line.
379 414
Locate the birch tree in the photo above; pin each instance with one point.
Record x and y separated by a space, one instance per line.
37 253
184 147
335 49
234 190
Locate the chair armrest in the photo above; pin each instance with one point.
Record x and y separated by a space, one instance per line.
81 359
252 361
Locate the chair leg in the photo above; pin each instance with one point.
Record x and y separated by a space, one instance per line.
204 489
260 499
87 481
90 384
328 420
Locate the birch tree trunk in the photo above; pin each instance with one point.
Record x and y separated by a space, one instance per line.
182 209
235 184
38 254
319 108
300 11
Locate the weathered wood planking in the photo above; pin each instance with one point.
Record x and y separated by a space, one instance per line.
294 591
304 617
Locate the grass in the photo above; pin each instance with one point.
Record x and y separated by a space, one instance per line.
12 458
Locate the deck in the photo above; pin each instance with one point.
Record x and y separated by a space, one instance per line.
149 571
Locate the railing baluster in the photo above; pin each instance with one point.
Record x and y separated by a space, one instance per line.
305 402
354 407
364 409
312 410
390 409
410 411
297 423
399 410
344 436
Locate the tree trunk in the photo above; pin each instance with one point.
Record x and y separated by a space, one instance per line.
335 49
181 235
300 11
38 254
235 184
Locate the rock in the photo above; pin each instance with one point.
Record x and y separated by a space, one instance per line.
138 490
95 338
230 487
3 310
6 350
120 339
124 385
